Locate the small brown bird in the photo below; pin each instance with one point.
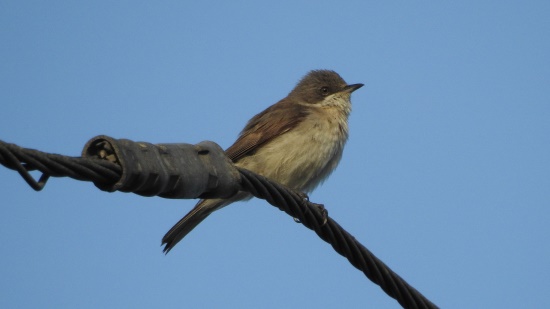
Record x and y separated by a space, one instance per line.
297 142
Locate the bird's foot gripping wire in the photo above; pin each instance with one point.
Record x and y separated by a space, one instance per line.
305 200
324 212
307 204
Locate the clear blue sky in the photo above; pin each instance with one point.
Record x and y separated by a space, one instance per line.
446 175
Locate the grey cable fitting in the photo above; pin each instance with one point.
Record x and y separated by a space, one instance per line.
167 170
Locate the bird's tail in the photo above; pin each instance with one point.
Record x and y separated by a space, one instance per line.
201 211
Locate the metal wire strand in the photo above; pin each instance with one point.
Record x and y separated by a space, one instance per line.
296 204
24 160
345 244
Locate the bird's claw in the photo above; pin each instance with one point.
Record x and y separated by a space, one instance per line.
303 196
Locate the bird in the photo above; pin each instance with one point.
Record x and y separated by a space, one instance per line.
297 142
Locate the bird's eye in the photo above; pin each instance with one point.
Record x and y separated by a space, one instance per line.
324 90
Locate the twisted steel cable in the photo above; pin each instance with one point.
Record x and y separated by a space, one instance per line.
314 217
295 204
24 160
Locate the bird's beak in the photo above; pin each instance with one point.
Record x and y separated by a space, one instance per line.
352 88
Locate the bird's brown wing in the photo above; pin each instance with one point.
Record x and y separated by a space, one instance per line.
272 122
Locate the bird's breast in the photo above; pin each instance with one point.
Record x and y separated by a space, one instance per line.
305 155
